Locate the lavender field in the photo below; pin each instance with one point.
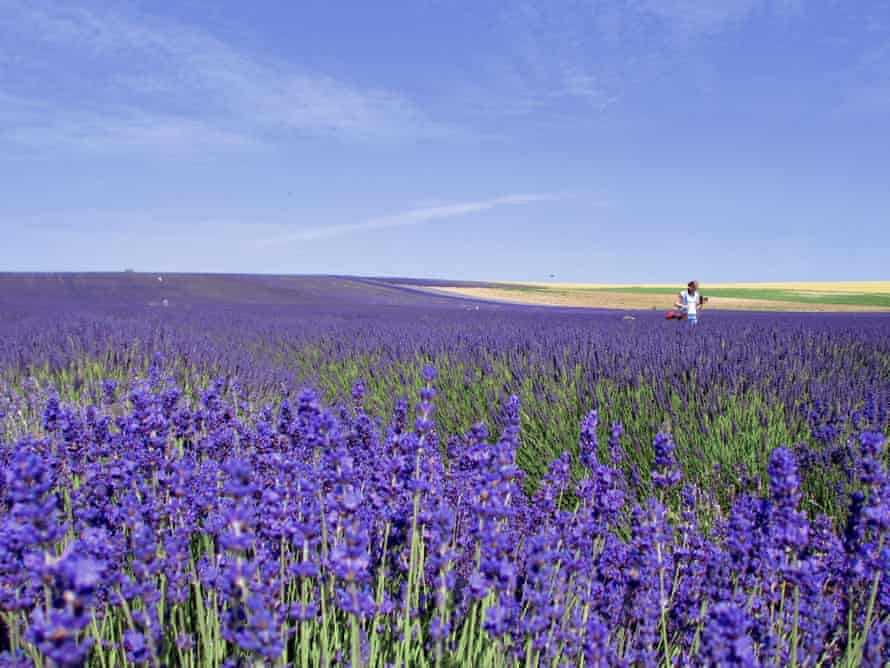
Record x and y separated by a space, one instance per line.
252 471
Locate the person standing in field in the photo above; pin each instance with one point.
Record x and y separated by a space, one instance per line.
690 302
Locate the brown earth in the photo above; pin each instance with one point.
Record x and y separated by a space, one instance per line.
635 301
824 287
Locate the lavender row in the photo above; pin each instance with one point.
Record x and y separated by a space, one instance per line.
181 534
755 379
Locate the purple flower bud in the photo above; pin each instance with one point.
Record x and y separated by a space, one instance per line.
665 472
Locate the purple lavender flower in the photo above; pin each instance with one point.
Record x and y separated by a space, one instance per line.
57 628
275 524
616 453
587 444
726 640
136 648
56 635
784 479
666 471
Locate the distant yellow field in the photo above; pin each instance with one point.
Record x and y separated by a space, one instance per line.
817 296
826 287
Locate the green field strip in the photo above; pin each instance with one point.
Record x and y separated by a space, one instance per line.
766 294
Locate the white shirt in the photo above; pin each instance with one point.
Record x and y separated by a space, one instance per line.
689 301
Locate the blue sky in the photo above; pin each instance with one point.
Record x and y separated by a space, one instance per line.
608 140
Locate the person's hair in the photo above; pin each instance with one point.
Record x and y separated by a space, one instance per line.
691 284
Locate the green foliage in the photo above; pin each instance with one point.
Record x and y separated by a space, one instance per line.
738 430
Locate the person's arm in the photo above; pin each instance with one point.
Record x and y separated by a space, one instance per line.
680 304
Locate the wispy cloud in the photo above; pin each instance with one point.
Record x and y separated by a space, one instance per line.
166 84
576 60
190 226
418 216
695 16
32 124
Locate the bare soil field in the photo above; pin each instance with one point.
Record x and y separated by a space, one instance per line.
826 287
589 296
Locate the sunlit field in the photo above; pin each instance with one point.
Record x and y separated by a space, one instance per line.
244 470
829 287
800 297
